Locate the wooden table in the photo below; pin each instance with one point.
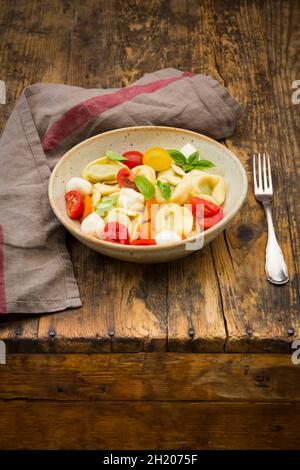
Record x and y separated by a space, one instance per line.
111 374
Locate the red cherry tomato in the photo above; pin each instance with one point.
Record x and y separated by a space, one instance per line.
75 204
125 179
142 241
133 158
210 221
116 233
209 208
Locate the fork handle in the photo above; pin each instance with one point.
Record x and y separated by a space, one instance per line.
276 269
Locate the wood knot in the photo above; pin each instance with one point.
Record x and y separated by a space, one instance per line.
245 233
276 428
140 292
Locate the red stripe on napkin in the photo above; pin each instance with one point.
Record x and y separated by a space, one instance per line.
2 290
86 110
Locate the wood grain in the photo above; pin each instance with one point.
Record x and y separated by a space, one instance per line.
257 67
151 425
218 299
150 377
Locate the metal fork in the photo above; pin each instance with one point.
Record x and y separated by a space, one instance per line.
275 266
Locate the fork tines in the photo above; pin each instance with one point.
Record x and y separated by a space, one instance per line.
264 184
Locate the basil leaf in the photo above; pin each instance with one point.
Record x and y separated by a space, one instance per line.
145 187
188 167
116 157
165 190
203 164
177 157
107 203
194 157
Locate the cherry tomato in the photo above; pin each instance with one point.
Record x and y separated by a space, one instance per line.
133 158
142 241
75 204
125 179
212 220
209 207
116 233
158 158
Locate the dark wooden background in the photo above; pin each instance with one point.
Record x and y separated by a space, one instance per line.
215 301
219 299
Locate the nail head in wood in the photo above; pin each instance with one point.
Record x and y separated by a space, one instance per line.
191 332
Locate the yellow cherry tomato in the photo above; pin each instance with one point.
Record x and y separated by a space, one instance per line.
157 158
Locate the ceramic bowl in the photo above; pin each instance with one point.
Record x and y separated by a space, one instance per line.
142 138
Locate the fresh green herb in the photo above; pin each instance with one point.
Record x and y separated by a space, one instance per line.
106 204
116 157
177 157
188 167
190 163
194 157
165 189
145 187
203 164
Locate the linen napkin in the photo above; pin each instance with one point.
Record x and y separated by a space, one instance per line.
36 273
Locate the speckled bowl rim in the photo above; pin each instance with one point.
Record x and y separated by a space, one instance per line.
219 227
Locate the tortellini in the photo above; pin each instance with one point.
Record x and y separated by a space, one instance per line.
145 170
155 209
210 185
106 189
181 192
175 218
131 199
102 169
173 176
101 189
178 170
96 196
131 219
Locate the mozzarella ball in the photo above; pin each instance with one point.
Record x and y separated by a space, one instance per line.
81 185
166 236
187 150
93 225
131 199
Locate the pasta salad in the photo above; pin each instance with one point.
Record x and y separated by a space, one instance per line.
151 198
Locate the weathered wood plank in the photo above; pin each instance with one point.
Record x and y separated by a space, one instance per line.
150 377
151 425
27 54
195 321
251 46
124 307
